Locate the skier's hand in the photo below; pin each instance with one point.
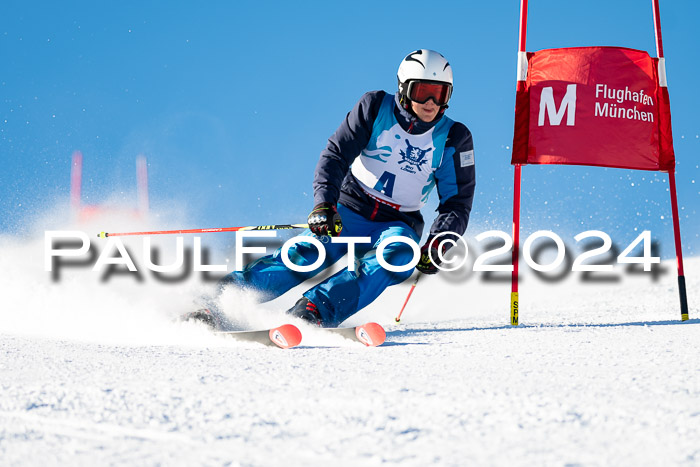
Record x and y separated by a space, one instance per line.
429 259
325 220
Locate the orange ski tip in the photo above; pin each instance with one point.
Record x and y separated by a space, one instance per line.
286 336
370 334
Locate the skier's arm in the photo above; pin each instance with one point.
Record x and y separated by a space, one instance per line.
344 146
455 179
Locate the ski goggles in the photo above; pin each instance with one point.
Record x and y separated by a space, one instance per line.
422 91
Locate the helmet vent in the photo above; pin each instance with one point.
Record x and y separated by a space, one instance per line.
410 57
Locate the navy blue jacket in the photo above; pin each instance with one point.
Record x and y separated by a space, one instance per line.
334 183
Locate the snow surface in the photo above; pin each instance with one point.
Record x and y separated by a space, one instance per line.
598 373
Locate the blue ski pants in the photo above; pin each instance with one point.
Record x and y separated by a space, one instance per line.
346 292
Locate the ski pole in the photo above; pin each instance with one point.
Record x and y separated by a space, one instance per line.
398 318
218 229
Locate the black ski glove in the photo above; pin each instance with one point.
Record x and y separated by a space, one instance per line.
325 220
426 265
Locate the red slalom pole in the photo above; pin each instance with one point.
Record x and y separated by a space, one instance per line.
398 318
523 26
516 247
657 28
522 76
672 172
679 250
522 54
218 229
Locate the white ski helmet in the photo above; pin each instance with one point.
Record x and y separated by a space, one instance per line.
425 66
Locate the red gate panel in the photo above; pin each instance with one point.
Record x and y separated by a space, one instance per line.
599 106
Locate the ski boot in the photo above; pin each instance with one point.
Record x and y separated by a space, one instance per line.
304 309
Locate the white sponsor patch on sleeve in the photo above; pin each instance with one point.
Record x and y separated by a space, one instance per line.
466 158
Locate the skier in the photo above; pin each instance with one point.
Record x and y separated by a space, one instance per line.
371 180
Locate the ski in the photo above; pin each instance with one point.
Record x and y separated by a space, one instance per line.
284 337
370 334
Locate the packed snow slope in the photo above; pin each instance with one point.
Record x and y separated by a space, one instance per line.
599 372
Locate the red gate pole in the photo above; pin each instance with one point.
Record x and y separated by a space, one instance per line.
657 30
671 173
522 75
679 249
516 247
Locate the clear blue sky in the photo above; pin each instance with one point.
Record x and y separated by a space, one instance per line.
232 102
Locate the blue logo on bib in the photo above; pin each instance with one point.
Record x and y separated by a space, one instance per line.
414 157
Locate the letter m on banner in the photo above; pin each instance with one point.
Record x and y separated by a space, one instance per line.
548 106
596 106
